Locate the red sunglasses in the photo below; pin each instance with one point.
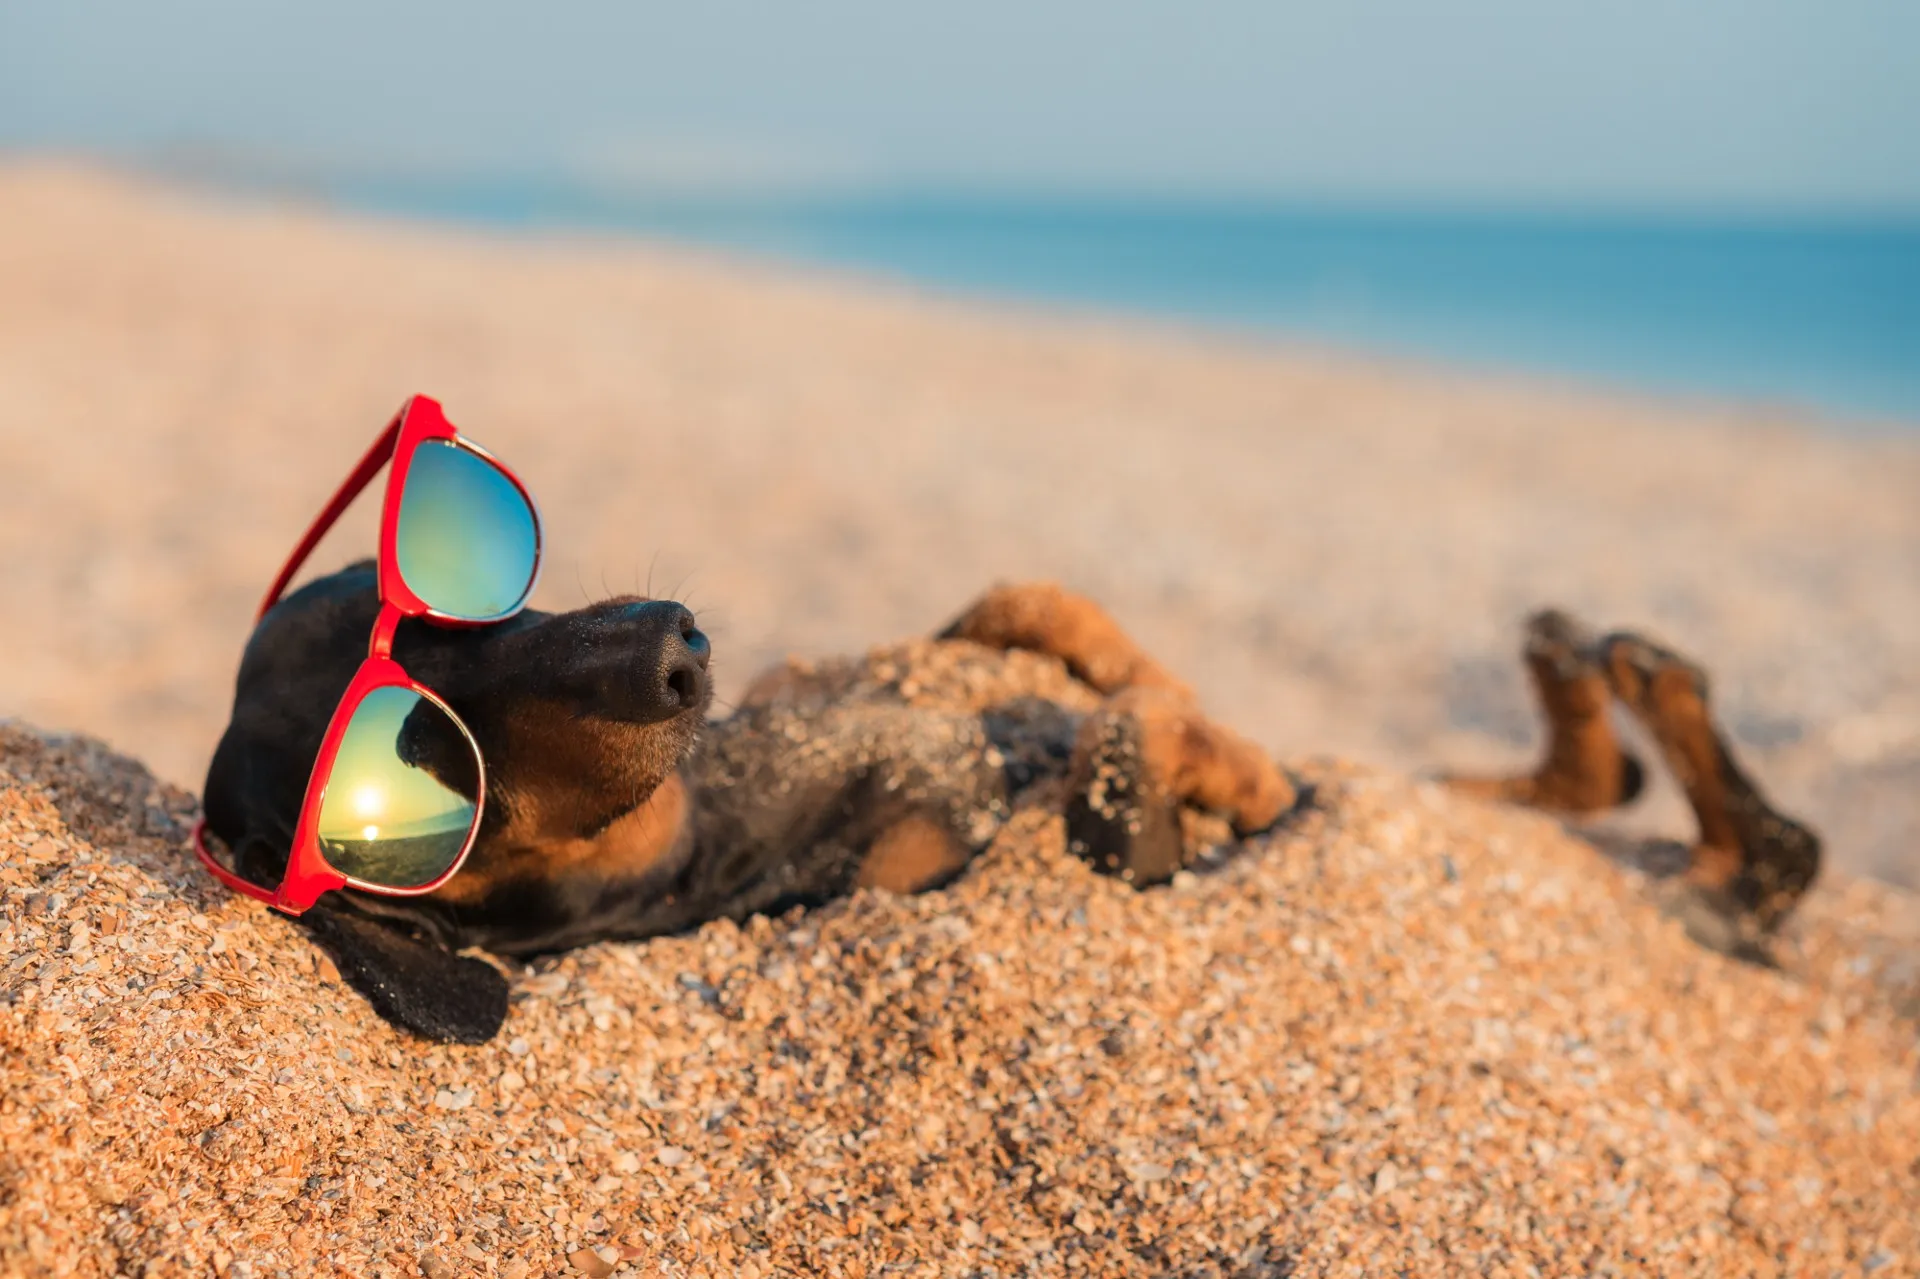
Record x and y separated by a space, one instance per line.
395 797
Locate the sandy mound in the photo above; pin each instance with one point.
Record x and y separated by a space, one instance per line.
1407 1032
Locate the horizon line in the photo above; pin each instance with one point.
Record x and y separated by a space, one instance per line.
257 172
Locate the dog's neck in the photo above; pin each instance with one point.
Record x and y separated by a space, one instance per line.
644 842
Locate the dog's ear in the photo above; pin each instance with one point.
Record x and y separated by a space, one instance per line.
411 983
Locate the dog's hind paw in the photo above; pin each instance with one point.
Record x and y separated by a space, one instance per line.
1584 769
1755 859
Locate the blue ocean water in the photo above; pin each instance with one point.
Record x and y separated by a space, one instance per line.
1809 314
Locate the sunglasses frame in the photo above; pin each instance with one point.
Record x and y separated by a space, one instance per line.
309 874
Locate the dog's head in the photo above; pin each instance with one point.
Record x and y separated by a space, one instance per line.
582 718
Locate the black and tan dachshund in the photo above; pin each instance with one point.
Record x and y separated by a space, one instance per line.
617 810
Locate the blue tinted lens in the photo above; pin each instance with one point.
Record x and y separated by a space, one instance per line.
467 540
400 799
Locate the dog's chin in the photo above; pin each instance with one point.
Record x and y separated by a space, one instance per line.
637 759
657 746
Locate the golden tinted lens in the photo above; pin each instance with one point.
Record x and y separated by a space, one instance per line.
399 802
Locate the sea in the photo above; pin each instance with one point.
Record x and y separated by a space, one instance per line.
1816 316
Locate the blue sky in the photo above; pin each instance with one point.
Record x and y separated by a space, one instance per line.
1755 105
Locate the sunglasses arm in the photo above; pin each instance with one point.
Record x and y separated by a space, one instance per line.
363 474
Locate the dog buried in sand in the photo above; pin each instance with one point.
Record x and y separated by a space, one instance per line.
480 774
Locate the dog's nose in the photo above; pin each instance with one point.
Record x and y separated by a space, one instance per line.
671 673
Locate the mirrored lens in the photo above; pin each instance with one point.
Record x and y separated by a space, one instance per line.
400 799
467 541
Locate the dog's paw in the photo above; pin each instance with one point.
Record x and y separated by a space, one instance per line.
1761 861
1122 818
1138 760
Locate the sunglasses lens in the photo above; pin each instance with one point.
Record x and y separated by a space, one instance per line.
399 802
467 540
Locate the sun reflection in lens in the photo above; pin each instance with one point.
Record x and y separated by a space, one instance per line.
386 817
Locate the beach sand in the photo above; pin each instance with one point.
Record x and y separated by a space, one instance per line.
1407 1033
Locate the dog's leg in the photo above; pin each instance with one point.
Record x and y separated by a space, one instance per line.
913 854
1047 619
1140 757
1584 769
1146 752
1752 863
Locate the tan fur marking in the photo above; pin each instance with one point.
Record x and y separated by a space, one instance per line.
1583 770
1764 860
1047 619
1202 763
1680 721
910 855
628 848
1522 789
1713 867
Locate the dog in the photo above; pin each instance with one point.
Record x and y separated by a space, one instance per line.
617 810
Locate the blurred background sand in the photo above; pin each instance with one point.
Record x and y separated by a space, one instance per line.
1336 551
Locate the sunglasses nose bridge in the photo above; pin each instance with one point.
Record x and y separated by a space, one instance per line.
385 626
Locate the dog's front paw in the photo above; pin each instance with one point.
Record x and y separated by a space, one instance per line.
1122 818
1142 756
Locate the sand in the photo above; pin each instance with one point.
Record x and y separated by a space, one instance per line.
1407 1034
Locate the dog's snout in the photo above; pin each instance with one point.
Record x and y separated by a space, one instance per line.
669 657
